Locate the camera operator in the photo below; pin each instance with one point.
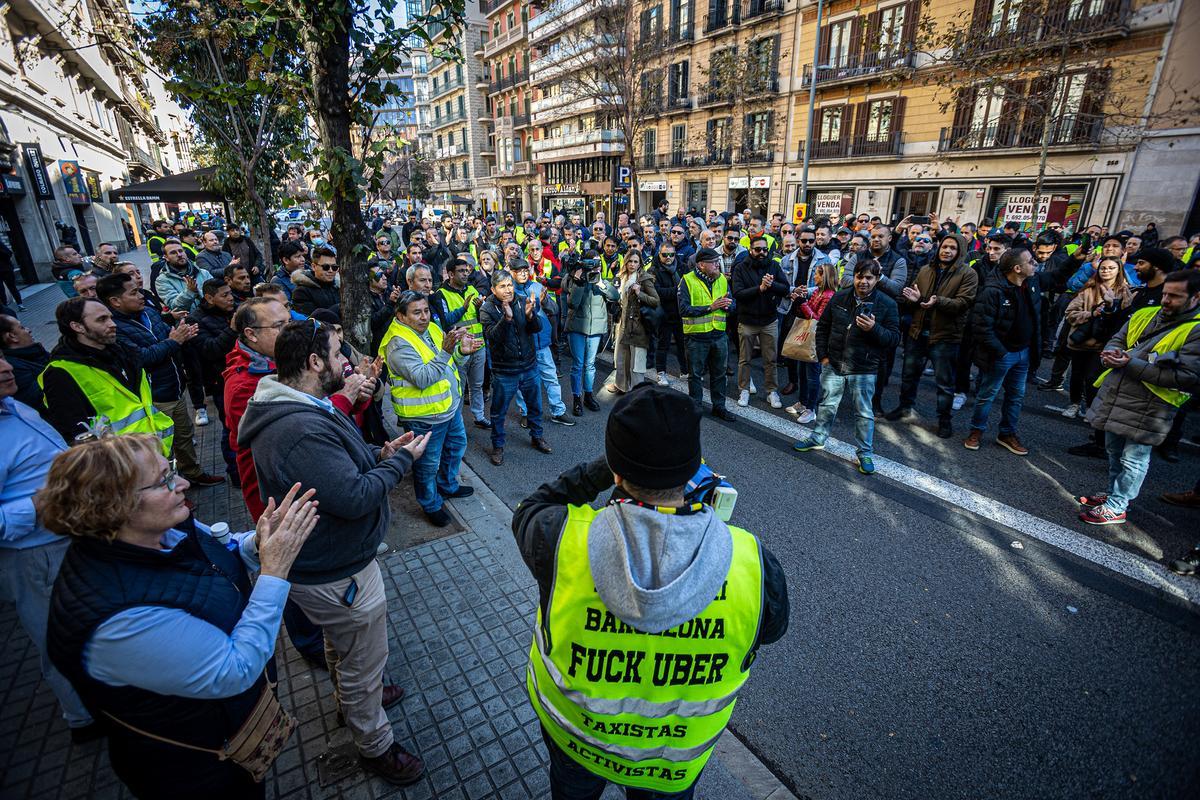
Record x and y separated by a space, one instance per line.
587 296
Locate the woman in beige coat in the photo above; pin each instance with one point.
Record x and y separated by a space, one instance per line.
636 286
1094 316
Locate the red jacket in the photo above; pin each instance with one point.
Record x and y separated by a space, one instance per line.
244 368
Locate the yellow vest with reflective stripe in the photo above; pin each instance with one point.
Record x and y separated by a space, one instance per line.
714 320
577 247
455 301
1169 343
636 708
606 270
409 401
125 411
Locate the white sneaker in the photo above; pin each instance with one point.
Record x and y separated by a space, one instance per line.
927 371
382 549
773 399
201 417
1083 412
753 388
960 400
662 379
808 416
683 376
1071 411
796 408
744 398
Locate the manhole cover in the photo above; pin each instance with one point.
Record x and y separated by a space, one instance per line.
337 764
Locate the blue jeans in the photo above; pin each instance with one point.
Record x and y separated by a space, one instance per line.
569 780
1009 371
504 388
583 362
1127 465
436 472
707 356
943 355
548 373
862 388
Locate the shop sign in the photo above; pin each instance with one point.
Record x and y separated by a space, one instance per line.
799 212
652 186
622 177
758 182
763 182
93 184
1019 208
830 204
13 186
73 183
37 171
553 189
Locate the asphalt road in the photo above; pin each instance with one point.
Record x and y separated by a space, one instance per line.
926 657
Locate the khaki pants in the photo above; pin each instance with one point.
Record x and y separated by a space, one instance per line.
184 449
765 335
356 648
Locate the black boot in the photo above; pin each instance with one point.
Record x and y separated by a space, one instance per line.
577 407
590 402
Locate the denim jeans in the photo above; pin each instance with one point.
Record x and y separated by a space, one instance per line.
943 355
862 389
436 472
471 376
583 362
1127 465
548 373
570 780
504 389
1009 371
711 356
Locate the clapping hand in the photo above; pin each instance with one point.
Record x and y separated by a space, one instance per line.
1114 358
368 368
767 280
530 304
282 531
507 311
395 295
354 386
469 344
183 332
930 302
911 293
415 445
190 282
722 302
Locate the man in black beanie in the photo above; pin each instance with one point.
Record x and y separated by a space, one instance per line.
650 607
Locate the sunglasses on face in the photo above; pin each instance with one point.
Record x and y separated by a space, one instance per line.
808 241
328 267
758 249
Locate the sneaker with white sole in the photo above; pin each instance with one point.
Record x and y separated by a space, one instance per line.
796 408
753 388
806 416
960 400
1101 515
1071 411
743 398
662 379
774 400
201 417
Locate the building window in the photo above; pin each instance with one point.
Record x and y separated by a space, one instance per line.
758 129
891 29
985 115
649 147
830 129
679 81
678 138
466 169
719 132
839 44
879 120
1004 16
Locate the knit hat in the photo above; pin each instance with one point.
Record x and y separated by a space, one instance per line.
653 437
1158 256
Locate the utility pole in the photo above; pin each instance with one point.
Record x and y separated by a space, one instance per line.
812 102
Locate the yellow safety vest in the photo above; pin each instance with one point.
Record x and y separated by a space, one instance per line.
125 411
1171 342
640 709
577 247
606 270
455 301
745 241
155 257
700 294
409 401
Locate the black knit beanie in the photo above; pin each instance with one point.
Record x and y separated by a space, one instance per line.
653 437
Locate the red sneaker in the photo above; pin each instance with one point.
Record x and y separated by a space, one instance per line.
1092 500
1101 515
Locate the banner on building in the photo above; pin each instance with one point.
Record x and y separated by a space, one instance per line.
652 186
32 153
1019 208
93 184
73 183
832 204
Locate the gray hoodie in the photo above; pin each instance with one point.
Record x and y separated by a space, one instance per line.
294 439
655 571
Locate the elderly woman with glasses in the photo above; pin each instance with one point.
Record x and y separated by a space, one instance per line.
154 620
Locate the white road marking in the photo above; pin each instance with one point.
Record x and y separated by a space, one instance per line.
1130 565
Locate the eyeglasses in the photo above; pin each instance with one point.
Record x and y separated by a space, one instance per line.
273 326
677 233
328 267
758 249
167 480
667 253
808 241
924 240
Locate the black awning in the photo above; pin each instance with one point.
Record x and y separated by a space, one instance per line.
182 188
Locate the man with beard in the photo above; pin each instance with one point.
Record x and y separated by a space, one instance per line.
939 300
179 282
27 358
243 250
758 287
238 280
335 579
215 337
105 259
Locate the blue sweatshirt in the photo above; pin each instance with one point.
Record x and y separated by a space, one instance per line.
30 444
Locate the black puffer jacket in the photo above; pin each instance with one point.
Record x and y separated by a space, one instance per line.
149 335
311 295
851 350
213 342
510 342
995 314
666 283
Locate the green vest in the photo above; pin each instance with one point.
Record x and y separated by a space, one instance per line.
640 709
191 251
409 401
1169 343
125 411
745 241
455 301
577 247
155 257
606 270
714 320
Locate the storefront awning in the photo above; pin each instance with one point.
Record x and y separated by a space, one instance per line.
182 188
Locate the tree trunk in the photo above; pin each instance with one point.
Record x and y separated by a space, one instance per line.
261 236
1047 122
329 54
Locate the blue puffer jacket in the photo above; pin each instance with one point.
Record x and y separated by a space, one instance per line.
542 338
149 334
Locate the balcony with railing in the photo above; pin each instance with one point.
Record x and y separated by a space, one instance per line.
591 142
508 81
688 159
889 144
574 55
446 86
514 169
1069 131
551 109
674 105
139 160
755 155
489 7
442 120
759 8
859 67
563 15
1031 24
725 18
715 96
513 35
757 87
450 151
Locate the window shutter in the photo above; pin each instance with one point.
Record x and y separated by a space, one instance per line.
861 115
683 79
823 50
908 34
770 129
867 50
963 105
1091 105
897 125
854 57
645 27
1036 102
981 17
776 46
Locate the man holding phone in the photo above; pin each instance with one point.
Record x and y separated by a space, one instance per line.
857 330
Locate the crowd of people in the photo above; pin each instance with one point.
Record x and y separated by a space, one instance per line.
468 315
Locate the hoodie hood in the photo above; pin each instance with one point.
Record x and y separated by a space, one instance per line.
963 250
271 401
653 570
